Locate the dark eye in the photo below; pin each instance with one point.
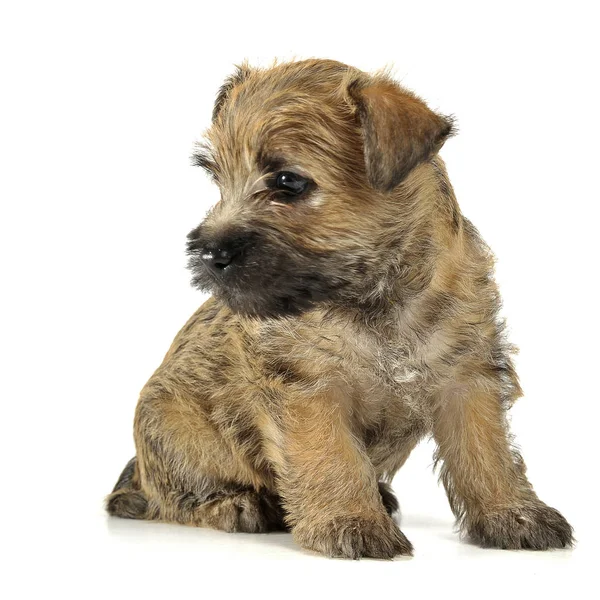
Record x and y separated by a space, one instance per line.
291 183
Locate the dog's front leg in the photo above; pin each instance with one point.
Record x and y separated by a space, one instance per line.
328 485
485 478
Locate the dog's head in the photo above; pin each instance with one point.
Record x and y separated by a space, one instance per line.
307 156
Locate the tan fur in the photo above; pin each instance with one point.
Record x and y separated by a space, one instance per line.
256 422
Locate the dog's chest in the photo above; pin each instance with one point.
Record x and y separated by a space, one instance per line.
385 365
379 365
392 408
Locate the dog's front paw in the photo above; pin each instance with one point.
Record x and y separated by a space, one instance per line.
534 527
354 537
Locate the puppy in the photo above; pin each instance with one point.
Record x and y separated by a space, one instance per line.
353 312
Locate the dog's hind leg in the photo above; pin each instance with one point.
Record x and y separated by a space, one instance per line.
191 475
230 508
127 499
390 502
220 506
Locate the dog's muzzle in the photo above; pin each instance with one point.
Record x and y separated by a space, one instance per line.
221 256
257 275
218 260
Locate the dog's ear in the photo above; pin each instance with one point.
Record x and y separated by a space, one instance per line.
239 76
399 129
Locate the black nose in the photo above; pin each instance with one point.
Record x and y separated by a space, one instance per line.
218 259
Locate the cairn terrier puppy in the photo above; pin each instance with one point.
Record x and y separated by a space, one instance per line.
353 312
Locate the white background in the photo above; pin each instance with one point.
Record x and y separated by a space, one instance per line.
99 109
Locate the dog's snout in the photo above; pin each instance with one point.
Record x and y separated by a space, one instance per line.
220 256
218 259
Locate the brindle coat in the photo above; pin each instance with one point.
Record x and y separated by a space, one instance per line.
357 319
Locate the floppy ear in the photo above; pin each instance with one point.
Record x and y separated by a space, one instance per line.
399 130
239 76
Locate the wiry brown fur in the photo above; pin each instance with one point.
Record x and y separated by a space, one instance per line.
362 317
